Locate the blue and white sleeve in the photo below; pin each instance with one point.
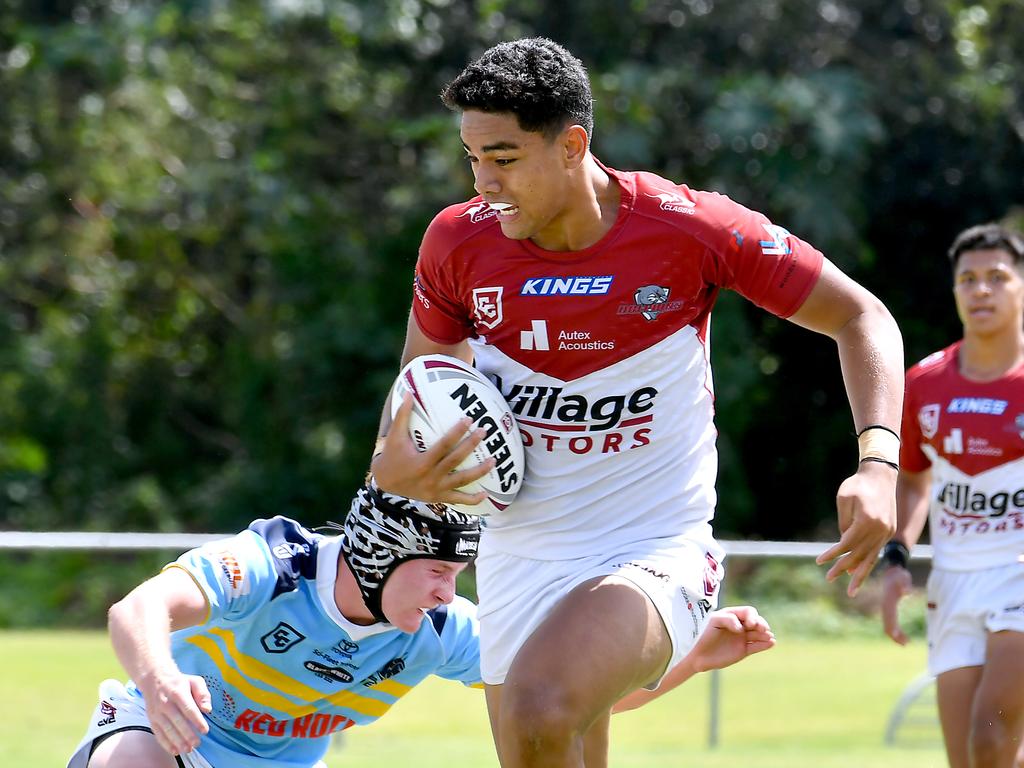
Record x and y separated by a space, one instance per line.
236 575
460 638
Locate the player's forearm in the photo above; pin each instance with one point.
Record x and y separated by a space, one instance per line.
140 632
871 355
911 510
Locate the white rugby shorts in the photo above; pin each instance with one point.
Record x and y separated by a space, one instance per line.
964 607
516 594
120 711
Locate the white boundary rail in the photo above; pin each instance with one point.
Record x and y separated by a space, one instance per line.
128 541
69 540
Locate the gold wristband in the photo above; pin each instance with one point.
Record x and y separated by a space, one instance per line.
879 443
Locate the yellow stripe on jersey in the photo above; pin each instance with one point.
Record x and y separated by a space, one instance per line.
232 677
253 668
361 704
392 688
257 669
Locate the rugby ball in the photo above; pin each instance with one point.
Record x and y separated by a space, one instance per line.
444 389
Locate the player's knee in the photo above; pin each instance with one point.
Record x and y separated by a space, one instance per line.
538 717
989 740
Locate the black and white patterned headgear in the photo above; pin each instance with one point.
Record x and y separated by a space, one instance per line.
382 531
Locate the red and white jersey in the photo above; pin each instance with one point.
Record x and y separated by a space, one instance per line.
971 435
603 355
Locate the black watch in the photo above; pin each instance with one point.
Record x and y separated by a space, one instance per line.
896 553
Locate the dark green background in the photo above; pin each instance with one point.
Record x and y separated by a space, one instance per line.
209 216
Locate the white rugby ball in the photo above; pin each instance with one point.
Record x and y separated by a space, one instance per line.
444 390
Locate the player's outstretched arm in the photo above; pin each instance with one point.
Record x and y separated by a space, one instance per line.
732 634
912 513
871 354
140 630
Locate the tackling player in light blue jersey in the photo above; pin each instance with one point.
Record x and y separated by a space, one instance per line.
283 637
251 651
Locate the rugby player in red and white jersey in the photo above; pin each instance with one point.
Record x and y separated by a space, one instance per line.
584 293
962 470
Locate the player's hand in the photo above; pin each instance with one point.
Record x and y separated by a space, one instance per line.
866 505
432 475
732 634
175 704
896 584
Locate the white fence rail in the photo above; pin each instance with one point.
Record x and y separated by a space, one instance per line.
130 541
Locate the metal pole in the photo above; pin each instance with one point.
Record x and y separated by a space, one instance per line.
713 703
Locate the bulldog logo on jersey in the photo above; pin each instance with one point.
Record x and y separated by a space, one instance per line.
1019 423
928 418
487 306
650 296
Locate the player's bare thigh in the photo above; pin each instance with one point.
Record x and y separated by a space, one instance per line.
131 749
999 700
602 640
955 691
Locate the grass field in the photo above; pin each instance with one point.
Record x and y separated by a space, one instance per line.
805 704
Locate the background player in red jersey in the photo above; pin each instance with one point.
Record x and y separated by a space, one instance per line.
585 293
962 468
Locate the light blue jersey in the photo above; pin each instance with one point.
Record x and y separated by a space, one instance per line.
285 669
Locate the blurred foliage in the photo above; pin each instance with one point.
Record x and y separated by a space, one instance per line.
798 602
209 215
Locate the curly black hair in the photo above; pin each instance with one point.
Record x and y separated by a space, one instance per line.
988 237
537 80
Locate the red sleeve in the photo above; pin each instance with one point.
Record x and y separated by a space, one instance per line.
759 260
437 307
912 458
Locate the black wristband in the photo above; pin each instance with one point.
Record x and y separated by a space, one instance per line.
890 430
880 460
896 553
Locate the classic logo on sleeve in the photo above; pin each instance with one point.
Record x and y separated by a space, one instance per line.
675 202
478 212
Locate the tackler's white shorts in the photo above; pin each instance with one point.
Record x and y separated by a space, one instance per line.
964 607
119 711
516 594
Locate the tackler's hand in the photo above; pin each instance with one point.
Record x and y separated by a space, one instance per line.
732 634
175 705
432 475
866 506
